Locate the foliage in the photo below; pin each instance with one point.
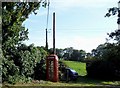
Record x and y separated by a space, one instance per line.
67 53
114 11
78 55
40 70
59 53
13 15
100 69
8 68
19 60
18 78
26 59
106 62
70 54
115 35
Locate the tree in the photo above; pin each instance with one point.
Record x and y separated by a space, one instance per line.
13 15
59 53
82 54
105 63
111 12
67 53
115 47
19 59
99 52
78 55
115 35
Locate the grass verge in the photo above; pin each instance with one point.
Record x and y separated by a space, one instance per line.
79 67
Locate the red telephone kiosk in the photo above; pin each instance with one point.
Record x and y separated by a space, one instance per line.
52 68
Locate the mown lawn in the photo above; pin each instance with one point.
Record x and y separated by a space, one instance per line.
79 67
82 82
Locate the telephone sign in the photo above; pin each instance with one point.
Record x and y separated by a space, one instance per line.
52 67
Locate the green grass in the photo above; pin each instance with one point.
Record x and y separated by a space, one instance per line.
79 67
81 82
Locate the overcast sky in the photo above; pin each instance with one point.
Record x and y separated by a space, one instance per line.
79 23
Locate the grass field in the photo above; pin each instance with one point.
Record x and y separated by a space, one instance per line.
79 67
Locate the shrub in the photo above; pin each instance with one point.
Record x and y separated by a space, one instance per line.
22 63
40 71
102 69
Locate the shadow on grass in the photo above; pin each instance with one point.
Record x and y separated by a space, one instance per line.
95 82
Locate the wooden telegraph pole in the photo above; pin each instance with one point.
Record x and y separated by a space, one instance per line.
46 39
54 52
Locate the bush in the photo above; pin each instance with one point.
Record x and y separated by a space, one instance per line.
102 69
107 62
23 64
40 71
8 69
18 78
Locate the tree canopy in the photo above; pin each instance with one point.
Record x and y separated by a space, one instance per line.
19 60
13 15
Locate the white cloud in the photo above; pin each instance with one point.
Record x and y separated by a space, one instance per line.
65 4
88 43
85 43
